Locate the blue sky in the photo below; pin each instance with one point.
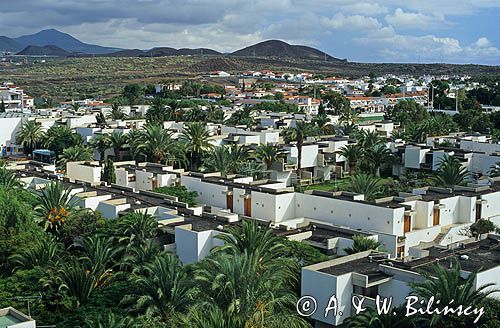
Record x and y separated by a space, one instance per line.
369 31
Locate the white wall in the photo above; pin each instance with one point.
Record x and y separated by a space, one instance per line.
489 276
414 156
208 193
322 287
110 211
143 180
10 127
491 209
355 215
193 246
121 177
90 202
82 172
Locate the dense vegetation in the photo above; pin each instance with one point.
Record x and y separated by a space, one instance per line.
93 272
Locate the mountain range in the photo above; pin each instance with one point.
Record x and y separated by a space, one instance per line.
52 42
52 37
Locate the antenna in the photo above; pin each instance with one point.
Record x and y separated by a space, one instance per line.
24 298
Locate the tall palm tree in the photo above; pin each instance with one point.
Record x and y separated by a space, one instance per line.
97 253
494 170
138 227
137 256
42 252
322 121
75 154
78 282
226 279
365 184
60 137
451 173
377 156
8 179
134 139
157 143
299 133
117 140
252 238
111 320
116 113
352 153
214 115
361 244
54 206
163 288
220 160
197 140
371 319
30 135
448 286
268 154
368 139
75 107
100 143
239 155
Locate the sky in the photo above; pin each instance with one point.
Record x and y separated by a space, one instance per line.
420 31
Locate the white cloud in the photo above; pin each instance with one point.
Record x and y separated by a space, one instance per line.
410 20
352 23
428 48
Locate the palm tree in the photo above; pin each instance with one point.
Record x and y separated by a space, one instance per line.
298 134
75 154
225 281
116 113
365 184
220 160
368 139
117 140
214 115
239 155
197 140
78 282
450 173
494 170
137 256
54 206
111 320
447 285
100 143
163 288
30 135
60 137
253 239
138 227
268 154
157 143
251 168
42 252
98 254
75 107
352 154
322 121
361 244
378 155
8 179
134 139
371 319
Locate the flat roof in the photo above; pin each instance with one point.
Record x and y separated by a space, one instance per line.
482 255
362 266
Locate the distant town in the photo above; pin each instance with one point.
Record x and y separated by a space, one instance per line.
370 187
